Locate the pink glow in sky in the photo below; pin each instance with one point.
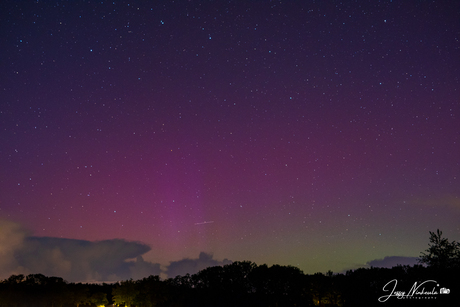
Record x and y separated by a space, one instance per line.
317 135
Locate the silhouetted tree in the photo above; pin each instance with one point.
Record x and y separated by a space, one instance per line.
441 253
151 292
125 293
181 290
280 286
11 291
79 294
98 299
326 289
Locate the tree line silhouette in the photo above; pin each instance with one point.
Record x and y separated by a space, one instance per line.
244 283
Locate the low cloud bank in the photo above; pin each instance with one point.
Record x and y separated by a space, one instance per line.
391 261
193 266
81 260
84 261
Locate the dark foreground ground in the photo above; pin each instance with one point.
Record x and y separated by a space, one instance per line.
246 284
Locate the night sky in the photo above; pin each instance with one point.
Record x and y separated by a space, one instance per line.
319 134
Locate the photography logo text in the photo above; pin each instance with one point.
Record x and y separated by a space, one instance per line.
428 289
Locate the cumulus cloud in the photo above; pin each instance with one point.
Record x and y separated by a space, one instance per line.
192 266
79 259
85 261
73 260
391 261
12 236
140 268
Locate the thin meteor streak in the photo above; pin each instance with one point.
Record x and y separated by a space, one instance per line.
205 222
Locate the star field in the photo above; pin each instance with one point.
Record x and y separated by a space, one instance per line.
322 135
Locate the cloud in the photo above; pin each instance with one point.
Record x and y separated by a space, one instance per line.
85 261
193 266
73 260
80 260
140 268
12 236
391 261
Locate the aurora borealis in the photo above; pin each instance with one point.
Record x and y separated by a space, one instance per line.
323 135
